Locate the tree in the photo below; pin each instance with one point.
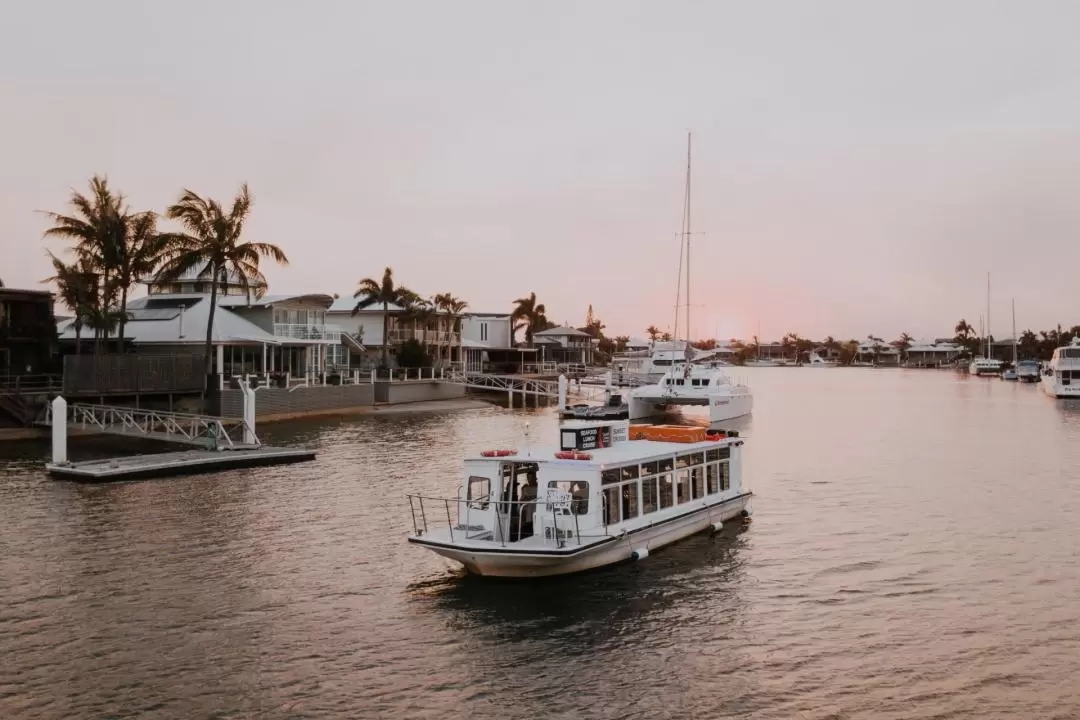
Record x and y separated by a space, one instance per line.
621 342
382 292
212 245
76 286
665 336
530 315
1027 345
139 254
653 332
902 344
97 226
452 306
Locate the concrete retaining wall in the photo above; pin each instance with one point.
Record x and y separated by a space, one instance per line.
314 400
417 391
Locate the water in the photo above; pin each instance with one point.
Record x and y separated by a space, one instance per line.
914 554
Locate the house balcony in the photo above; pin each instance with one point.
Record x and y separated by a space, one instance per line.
427 337
330 334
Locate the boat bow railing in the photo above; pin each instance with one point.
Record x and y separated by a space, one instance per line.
564 510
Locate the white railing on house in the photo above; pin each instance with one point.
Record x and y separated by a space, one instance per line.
314 333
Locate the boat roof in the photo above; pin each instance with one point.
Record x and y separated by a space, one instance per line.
619 453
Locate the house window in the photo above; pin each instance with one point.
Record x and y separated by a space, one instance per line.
483 332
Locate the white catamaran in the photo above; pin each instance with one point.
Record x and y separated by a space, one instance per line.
609 492
685 383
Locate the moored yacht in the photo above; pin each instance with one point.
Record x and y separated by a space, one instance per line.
693 385
1061 379
1027 371
815 360
608 493
984 366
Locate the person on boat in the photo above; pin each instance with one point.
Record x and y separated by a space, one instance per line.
528 510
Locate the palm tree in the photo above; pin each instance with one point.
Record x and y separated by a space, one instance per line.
529 314
212 245
382 292
76 287
97 226
653 332
964 331
452 306
139 255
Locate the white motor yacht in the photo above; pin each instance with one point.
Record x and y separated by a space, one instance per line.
985 366
693 385
609 492
817 361
1061 379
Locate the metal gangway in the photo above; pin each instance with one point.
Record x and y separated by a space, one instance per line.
517 384
202 430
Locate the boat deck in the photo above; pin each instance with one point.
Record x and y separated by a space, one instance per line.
176 463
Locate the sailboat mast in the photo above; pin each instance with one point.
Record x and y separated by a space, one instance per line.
686 230
1014 331
989 347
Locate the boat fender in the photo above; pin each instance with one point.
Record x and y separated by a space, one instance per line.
717 527
640 554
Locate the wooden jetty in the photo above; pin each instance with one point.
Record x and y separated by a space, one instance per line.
139 467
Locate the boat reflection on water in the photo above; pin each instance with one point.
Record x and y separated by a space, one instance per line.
702 571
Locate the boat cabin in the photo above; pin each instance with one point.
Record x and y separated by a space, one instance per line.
601 480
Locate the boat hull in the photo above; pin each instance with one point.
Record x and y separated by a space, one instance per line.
507 563
729 407
1057 390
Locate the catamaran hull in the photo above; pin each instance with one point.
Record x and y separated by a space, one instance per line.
508 563
729 407
721 407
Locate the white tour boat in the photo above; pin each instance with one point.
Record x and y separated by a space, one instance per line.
1061 379
693 385
610 492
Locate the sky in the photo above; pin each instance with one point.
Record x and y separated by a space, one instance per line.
859 167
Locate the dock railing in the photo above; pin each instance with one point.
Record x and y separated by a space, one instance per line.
202 430
512 518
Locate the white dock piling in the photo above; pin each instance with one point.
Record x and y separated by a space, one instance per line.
59 431
510 395
562 392
249 415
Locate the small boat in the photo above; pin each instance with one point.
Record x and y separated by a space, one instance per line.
1009 374
817 361
693 385
598 498
761 362
986 365
1028 371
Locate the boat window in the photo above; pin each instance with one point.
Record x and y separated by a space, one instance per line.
684 486
611 505
610 476
697 482
667 491
650 468
725 476
630 472
580 492
697 458
649 495
724 453
629 501
661 363
712 455
712 477
667 464
479 492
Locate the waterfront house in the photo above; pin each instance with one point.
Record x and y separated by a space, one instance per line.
362 333
256 333
564 345
28 344
878 352
938 353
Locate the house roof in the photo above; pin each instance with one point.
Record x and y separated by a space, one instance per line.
346 304
268 300
561 332
156 319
